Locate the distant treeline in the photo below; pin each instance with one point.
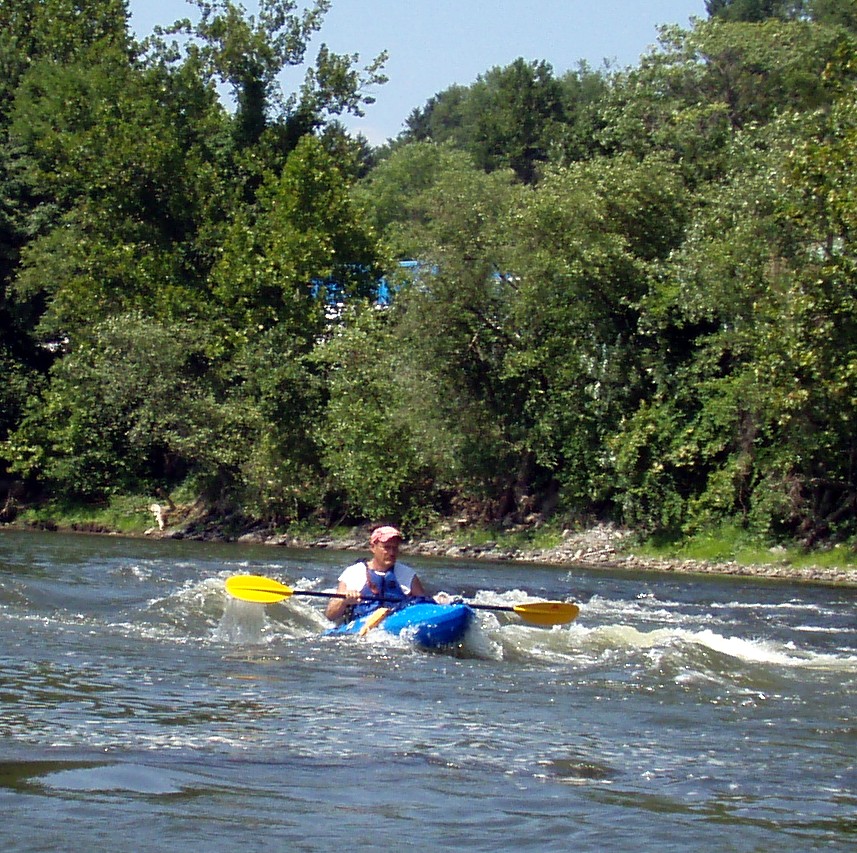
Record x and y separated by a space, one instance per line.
641 301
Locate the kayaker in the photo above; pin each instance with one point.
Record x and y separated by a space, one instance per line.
379 578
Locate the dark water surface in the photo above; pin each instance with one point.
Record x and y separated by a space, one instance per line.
142 710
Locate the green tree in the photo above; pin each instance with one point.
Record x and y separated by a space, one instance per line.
454 325
386 453
249 52
449 333
145 201
589 240
509 118
303 236
756 328
58 30
394 194
512 115
576 134
127 162
755 11
129 410
305 232
32 33
842 13
686 457
278 388
816 483
699 88
440 120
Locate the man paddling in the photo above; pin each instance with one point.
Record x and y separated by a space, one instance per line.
381 578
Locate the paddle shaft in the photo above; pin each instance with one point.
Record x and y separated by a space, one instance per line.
319 594
263 590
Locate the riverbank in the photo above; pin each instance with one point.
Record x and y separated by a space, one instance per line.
599 546
602 546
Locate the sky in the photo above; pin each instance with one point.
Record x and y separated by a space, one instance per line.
433 44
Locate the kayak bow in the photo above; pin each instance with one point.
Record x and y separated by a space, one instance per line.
425 624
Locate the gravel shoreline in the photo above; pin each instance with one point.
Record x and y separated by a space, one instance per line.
602 546
599 547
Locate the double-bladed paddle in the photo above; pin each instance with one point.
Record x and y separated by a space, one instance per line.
262 590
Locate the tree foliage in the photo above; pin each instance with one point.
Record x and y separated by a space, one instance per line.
518 117
754 11
249 53
749 424
627 292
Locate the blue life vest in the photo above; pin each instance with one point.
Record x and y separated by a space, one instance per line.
379 585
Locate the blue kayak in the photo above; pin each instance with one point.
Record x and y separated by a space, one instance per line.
426 624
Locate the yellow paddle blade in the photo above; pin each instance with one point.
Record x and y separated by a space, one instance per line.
547 612
376 617
258 589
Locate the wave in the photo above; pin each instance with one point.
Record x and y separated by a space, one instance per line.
199 611
610 639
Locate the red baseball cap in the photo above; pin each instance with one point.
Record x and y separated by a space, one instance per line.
385 534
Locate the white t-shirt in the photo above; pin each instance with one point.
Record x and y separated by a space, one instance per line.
354 577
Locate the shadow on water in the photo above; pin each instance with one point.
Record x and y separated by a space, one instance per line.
101 777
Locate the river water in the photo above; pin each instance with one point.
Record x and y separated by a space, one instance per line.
143 710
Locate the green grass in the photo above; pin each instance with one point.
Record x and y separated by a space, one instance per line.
731 544
310 530
544 537
128 515
838 557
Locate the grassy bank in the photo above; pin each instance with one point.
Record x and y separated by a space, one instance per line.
127 516
731 544
133 516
